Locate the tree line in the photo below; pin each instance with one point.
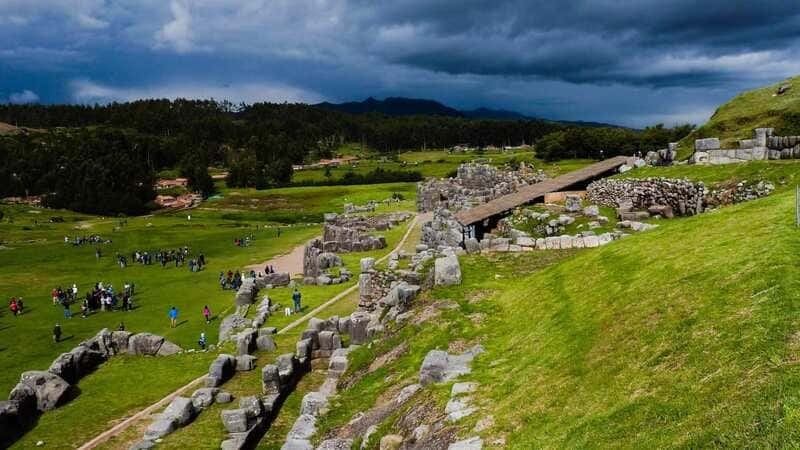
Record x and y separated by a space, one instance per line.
103 158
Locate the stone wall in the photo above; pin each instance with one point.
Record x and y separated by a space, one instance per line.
349 233
763 146
473 185
442 230
41 391
317 265
683 196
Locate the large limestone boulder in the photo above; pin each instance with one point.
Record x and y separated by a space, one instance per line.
220 370
359 321
168 349
234 420
25 398
181 410
251 406
204 397
51 390
145 344
119 341
160 428
447 271
265 342
440 366
270 379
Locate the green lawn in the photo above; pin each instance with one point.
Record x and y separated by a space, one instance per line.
783 174
439 163
35 259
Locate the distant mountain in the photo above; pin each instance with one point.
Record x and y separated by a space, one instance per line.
394 106
486 113
401 106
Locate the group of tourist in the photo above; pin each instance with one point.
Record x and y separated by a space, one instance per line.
81 240
16 306
233 280
179 257
243 242
101 297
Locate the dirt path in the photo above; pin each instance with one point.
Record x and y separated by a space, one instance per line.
291 262
147 412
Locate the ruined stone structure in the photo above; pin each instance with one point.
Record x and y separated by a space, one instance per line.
473 185
442 230
664 156
349 233
683 196
317 265
763 146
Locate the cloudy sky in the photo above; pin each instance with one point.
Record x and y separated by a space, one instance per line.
632 62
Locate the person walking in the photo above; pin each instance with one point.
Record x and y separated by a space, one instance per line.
296 297
207 314
67 311
173 317
57 333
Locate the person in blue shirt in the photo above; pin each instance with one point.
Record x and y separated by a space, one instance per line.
296 296
173 316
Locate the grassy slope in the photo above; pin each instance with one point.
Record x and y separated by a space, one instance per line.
783 174
676 337
737 118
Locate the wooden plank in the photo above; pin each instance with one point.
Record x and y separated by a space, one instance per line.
530 193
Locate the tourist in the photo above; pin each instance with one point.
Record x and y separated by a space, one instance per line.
173 317
57 333
85 309
121 326
202 341
20 306
67 312
207 314
13 306
296 297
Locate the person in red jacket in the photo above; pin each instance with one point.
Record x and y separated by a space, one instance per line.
13 306
207 314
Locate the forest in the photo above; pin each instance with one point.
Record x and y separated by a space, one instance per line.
103 158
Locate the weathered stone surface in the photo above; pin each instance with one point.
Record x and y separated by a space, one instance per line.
447 271
221 370
51 390
367 264
246 341
572 203
462 388
159 429
391 442
181 410
706 144
270 379
286 368
204 397
168 348
304 427
313 403
245 363
439 366
473 443
303 351
359 321
251 406
223 397
119 341
144 344
234 420
144 444
265 343
335 444
25 398
472 245
246 295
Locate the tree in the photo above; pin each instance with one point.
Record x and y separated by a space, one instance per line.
194 166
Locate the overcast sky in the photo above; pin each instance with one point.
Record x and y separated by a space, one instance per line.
631 62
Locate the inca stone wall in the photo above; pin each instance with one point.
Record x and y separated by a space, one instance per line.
442 230
473 185
683 196
763 146
349 233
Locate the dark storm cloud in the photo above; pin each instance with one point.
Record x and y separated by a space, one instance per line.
632 61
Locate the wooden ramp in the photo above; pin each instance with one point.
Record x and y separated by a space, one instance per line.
530 193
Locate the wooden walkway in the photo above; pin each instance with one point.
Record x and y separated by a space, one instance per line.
530 193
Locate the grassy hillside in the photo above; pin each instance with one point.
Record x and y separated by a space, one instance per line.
753 109
683 336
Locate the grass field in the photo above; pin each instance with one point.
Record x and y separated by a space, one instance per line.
783 174
35 259
683 336
440 163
